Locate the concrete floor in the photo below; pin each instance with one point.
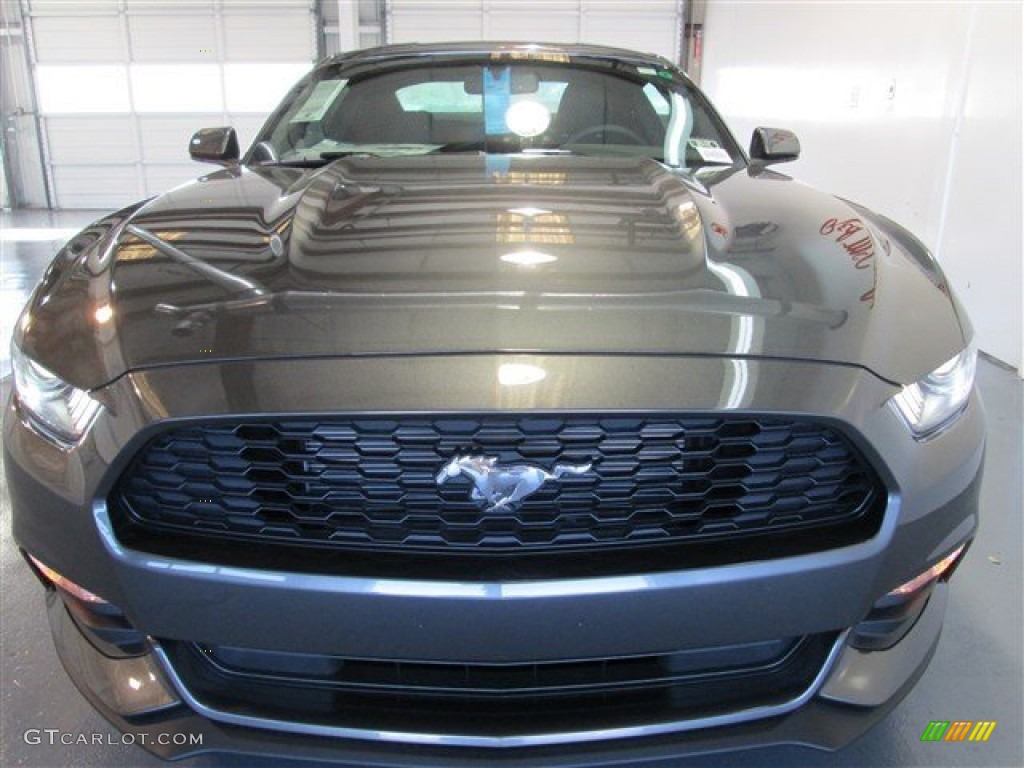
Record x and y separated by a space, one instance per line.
975 675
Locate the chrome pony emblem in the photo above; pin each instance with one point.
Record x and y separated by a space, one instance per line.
499 486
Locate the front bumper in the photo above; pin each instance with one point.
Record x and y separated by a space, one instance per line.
61 518
855 690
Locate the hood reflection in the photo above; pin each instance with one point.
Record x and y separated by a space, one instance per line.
429 254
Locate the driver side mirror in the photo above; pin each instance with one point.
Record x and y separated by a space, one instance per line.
774 145
214 145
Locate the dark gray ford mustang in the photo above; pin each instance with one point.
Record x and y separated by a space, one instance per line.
495 407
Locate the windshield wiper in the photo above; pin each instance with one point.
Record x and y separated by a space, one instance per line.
325 157
460 146
294 164
500 147
339 153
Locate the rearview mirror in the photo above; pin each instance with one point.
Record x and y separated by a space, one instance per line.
214 145
774 145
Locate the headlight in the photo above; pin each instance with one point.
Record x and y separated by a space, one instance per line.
61 411
931 403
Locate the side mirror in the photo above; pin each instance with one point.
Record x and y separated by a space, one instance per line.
214 145
774 145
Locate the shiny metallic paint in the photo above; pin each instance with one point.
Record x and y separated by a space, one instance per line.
760 313
645 271
921 478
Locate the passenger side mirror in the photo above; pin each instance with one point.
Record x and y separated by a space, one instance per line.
774 145
215 145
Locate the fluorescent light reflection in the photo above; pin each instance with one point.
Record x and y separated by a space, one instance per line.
528 258
519 374
528 118
103 314
738 282
528 211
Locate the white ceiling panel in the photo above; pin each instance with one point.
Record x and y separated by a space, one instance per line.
78 39
91 140
96 186
161 38
283 36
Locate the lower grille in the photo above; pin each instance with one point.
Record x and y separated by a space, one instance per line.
613 485
499 700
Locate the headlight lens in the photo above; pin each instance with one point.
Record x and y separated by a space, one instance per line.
934 401
61 411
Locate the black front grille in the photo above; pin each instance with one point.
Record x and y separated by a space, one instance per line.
371 484
499 699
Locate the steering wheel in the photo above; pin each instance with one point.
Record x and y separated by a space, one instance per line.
608 128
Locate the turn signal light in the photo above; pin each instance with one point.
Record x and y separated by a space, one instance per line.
932 574
65 584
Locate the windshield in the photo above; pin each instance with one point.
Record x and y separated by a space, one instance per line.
609 108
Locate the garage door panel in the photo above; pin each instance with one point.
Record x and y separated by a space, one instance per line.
650 33
161 178
247 126
96 186
266 37
259 87
191 7
181 88
63 7
98 39
91 140
646 25
632 9
123 84
165 139
534 8
435 7
161 38
83 88
436 28
558 27
265 6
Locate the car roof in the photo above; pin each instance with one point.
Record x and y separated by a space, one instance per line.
472 48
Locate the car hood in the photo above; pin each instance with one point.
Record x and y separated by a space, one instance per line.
482 254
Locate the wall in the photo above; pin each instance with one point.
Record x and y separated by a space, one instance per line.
23 162
647 25
121 86
913 109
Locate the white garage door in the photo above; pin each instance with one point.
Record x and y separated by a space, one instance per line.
122 84
651 26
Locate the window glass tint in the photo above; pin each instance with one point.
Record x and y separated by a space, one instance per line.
439 97
592 109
